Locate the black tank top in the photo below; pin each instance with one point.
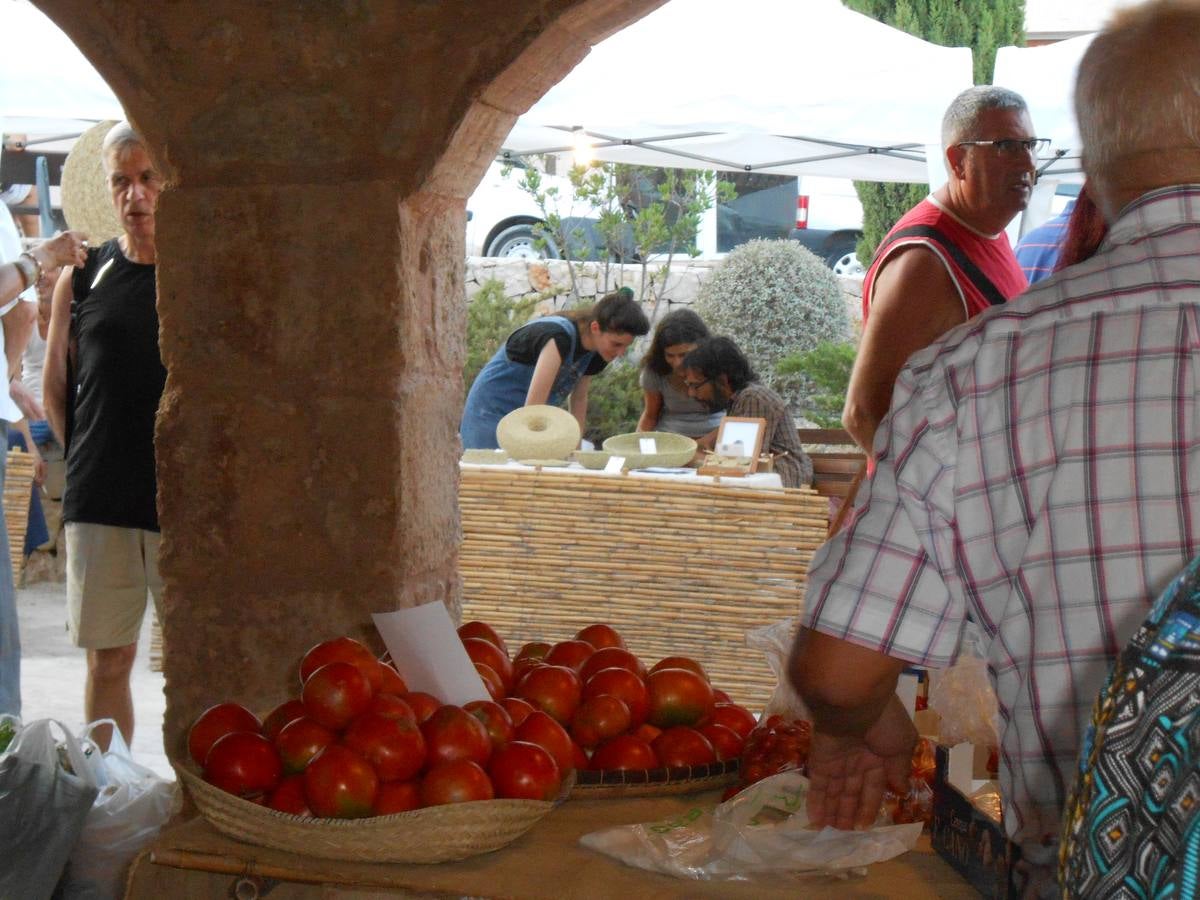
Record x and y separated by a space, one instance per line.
118 379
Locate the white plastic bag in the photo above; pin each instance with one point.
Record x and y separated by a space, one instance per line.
963 696
133 805
762 831
42 808
775 641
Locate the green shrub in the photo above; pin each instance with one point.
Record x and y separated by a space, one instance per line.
827 368
614 402
491 318
775 299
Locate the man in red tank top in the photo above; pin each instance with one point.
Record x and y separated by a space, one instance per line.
948 258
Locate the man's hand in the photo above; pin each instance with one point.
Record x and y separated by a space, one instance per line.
848 775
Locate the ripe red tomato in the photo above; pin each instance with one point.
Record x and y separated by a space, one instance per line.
340 784
680 662
484 631
216 722
572 654
458 781
342 649
391 706
720 696
734 717
521 666
395 747
390 681
544 731
600 635
523 771
243 763
396 797
683 746
288 797
677 697
422 704
336 693
533 650
624 752
493 682
556 690
278 717
725 741
299 741
452 733
579 756
518 710
598 719
610 658
490 655
647 732
495 719
623 684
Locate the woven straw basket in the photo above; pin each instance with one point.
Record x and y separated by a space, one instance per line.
431 835
664 782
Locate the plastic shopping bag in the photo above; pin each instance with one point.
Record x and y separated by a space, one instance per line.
761 832
775 641
963 696
133 805
42 809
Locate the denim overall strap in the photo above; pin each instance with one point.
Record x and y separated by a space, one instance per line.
502 386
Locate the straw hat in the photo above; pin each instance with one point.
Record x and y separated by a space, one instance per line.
86 201
538 432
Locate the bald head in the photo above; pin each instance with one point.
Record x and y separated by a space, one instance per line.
1137 100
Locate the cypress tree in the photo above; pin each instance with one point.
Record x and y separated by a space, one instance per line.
982 25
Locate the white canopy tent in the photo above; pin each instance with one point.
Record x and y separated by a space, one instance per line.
772 86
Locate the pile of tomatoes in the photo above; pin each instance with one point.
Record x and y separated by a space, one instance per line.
358 743
618 713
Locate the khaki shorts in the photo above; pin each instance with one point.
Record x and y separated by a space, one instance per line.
110 570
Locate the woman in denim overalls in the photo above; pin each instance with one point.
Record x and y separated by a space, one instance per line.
595 336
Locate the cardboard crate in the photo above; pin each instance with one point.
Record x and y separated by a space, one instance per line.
974 844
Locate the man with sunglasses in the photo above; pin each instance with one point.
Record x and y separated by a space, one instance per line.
948 258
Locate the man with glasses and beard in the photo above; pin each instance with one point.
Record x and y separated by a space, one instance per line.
948 258
718 375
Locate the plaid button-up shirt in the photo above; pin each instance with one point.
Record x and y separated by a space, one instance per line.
1039 473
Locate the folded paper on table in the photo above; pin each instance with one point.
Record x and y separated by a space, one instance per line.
761 831
429 655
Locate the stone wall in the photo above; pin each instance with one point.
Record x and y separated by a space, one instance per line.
550 281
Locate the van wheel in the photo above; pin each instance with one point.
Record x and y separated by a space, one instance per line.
844 261
519 242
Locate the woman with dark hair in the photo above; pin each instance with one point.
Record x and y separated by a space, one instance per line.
549 359
1086 228
718 374
667 405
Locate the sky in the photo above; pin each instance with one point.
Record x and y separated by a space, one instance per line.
1069 15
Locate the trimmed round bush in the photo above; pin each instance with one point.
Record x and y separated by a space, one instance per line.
775 298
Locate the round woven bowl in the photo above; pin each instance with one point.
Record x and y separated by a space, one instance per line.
592 459
86 202
431 835
673 449
653 782
538 432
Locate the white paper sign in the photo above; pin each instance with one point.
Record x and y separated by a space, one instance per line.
647 445
615 464
429 655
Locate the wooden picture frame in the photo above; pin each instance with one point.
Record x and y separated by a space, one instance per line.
751 433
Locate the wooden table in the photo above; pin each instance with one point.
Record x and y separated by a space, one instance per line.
680 566
193 860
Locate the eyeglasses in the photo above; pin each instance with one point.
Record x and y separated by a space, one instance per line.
1012 146
695 385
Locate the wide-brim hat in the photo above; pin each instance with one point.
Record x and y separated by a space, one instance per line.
538 432
86 201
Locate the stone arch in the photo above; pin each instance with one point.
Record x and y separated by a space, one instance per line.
319 155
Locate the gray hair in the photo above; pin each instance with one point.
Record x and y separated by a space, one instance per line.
118 138
964 111
1137 90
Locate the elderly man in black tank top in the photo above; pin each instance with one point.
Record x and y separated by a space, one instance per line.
103 382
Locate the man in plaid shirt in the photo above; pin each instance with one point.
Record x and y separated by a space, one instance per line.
1039 471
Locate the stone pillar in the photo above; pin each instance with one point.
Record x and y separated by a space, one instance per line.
311 300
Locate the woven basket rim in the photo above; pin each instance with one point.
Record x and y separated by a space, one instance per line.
428 835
